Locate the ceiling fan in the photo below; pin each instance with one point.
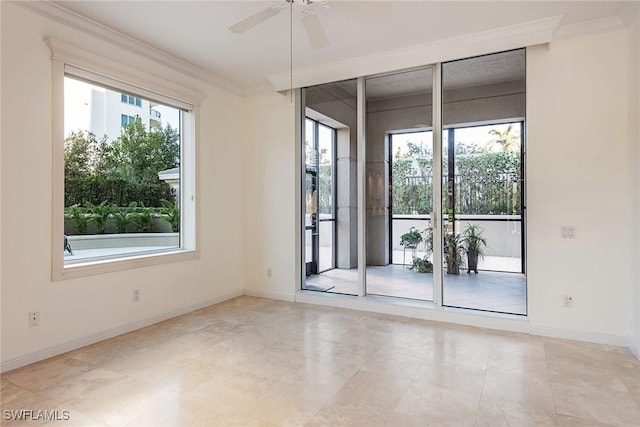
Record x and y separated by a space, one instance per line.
315 32
312 25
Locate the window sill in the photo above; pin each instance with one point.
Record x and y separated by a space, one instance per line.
94 267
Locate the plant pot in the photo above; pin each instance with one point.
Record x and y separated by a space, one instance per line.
453 268
472 261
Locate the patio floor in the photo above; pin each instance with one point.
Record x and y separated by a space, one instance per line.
487 290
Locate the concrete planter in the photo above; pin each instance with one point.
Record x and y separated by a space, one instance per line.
124 240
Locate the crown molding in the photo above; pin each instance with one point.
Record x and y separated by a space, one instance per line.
501 39
589 27
58 13
109 65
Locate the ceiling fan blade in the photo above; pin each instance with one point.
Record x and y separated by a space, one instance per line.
315 31
253 20
369 9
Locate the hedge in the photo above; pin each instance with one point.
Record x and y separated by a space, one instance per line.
96 190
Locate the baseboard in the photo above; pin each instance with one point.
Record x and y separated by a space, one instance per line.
634 346
571 334
28 359
430 311
281 296
418 310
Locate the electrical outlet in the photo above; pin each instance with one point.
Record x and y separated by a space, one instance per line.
136 295
34 318
568 301
269 272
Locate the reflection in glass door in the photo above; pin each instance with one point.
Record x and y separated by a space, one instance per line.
330 207
319 183
311 199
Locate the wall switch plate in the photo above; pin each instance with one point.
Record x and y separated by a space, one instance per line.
568 232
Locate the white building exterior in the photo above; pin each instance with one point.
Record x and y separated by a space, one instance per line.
103 111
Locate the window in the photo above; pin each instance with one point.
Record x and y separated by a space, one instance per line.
125 120
123 190
130 99
121 184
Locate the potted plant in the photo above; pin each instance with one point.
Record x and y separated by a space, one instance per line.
474 244
454 251
411 239
422 265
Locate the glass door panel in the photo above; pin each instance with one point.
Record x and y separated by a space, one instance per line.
482 183
331 208
399 185
326 172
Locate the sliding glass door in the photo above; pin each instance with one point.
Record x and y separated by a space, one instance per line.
482 183
438 153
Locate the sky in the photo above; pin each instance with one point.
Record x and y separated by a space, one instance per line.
469 135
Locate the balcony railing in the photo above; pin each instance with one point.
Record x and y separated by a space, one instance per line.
155 114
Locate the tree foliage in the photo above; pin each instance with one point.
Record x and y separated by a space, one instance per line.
122 171
412 189
138 155
81 151
484 182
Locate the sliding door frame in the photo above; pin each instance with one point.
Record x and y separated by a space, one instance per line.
437 182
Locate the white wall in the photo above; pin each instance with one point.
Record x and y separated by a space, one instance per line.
75 310
578 175
269 216
634 161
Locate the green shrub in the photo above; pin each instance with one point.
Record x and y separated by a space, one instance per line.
422 265
143 217
171 212
79 217
96 189
100 215
122 216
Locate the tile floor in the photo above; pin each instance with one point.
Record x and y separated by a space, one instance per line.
487 290
257 362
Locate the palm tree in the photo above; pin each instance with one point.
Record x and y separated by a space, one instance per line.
506 140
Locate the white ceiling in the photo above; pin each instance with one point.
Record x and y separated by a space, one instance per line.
197 31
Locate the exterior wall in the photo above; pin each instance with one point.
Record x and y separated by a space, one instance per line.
503 237
77 310
103 111
114 108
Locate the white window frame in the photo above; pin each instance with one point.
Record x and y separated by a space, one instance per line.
79 63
